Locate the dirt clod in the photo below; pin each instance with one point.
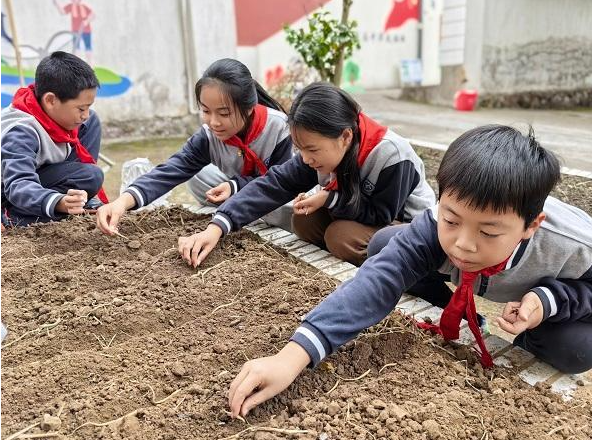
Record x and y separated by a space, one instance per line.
134 244
50 423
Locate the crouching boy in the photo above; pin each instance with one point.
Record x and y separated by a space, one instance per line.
50 145
496 232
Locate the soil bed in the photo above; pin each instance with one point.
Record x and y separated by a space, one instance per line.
115 329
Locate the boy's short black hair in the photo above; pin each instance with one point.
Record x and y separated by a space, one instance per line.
497 166
65 75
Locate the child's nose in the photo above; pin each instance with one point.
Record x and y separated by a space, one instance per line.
465 242
306 158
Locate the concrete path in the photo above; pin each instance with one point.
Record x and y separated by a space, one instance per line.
568 133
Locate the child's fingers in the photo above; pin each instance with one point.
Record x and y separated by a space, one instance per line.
114 221
244 390
298 210
75 202
300 197
185 249
76 210
255 399
236 382
513 328
510 312
205 251
303 204
195 251
102 223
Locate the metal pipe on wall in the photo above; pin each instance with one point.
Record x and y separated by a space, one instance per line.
189 53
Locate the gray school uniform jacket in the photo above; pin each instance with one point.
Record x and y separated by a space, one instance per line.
393 187
26 147
273 146
556 264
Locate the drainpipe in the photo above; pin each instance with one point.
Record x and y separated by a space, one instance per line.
419 29
189 53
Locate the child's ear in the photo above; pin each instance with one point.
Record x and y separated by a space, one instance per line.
536 223
49 99
347 135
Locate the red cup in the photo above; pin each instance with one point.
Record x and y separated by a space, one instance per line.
465 100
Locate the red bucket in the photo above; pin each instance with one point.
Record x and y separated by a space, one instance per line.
465 100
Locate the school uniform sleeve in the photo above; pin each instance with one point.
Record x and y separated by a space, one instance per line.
179 168
281 153
387 201
22 188
566 300
262 195
374 291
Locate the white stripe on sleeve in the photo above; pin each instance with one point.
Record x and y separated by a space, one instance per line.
315 341
552 301
137 192
50 202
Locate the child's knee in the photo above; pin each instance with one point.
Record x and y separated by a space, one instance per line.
381 238
302 225
91 180
342 243
566 346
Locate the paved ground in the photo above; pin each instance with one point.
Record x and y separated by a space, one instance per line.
566 132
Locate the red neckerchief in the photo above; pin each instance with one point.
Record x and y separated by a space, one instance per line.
24 99
371 133
251 161
462 304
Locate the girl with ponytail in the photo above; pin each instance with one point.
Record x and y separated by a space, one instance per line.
245 132
369 177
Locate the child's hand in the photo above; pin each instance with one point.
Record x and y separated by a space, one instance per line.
195 248
308 205
219 193
108 215
73 202
299 198
263 378
520 316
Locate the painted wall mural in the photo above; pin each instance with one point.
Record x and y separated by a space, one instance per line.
72 40
402 11
388 31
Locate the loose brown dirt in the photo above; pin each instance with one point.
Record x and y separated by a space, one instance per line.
116 338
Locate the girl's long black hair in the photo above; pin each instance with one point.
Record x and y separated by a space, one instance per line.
326 109
236 82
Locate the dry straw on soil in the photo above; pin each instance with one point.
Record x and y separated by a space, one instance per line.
116 338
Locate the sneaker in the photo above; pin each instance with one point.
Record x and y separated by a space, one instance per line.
93 204
483 324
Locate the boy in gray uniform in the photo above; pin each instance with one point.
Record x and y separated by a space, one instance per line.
50 145
497 233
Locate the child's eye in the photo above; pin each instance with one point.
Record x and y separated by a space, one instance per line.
490 235
450 223
225 115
